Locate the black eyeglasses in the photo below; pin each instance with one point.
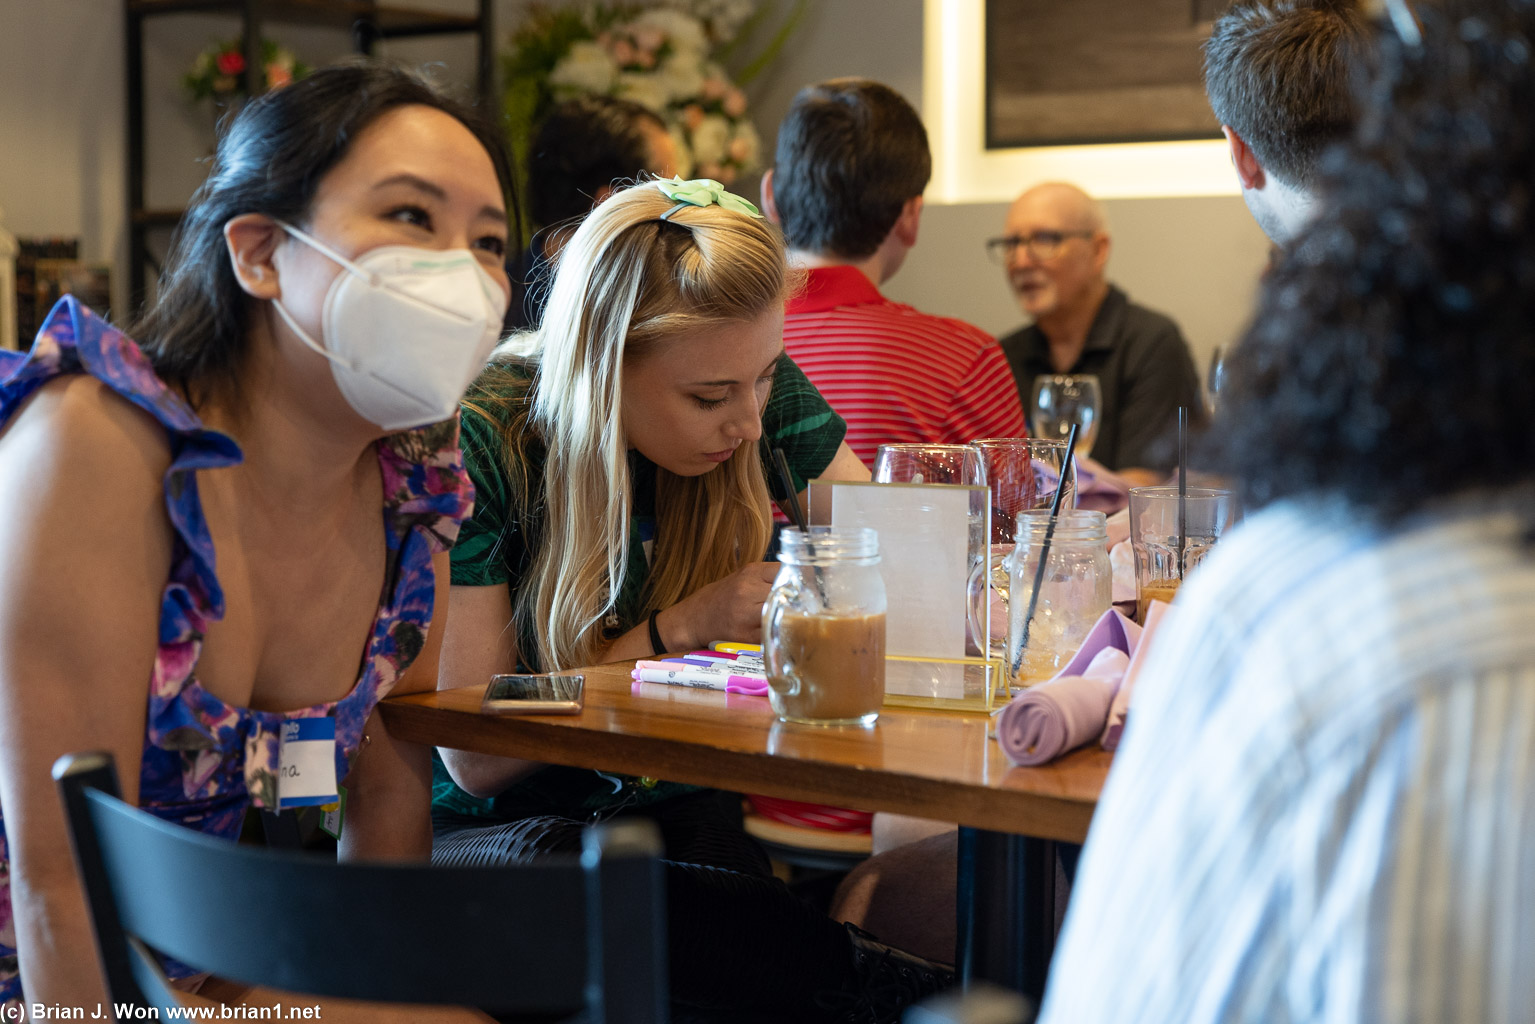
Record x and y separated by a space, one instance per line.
1041 245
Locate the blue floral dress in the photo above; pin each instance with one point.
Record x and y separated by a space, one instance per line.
206 762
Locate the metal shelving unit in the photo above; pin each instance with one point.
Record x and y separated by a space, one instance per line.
368 21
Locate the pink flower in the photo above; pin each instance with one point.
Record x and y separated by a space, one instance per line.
713 88
648 37
692 116
734 103
231 62
623 52
645 59
727 175
740 149
711 171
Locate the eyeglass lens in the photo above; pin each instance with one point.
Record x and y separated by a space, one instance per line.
1042 245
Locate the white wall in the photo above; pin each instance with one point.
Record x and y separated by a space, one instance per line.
61 117
62 136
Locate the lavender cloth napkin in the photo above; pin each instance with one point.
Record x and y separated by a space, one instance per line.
1045 721
1100 488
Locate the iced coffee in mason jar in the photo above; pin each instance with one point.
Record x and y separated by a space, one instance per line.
823 628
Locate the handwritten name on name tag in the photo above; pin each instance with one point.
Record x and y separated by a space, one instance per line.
307 776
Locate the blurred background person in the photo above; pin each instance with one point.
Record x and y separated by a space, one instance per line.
1056 247
584 149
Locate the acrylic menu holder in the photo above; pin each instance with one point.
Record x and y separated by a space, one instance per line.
931 536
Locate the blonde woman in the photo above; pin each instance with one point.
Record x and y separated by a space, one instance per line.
623 509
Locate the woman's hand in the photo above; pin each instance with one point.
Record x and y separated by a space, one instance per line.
728 609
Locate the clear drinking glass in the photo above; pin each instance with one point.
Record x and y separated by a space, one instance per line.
1074 591
1154 535
927 464
1007 466
823 627
1022 473
1061 400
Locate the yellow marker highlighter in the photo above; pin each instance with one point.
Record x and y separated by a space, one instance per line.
732 647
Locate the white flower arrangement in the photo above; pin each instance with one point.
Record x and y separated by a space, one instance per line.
664 55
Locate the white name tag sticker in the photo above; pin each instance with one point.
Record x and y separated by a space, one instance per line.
308 774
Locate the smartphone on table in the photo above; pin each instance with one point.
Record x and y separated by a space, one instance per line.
555 693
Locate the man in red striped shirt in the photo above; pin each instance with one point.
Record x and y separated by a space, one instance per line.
846 188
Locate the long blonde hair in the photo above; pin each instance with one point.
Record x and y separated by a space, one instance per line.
625 281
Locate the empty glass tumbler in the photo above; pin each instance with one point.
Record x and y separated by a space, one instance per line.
1074 590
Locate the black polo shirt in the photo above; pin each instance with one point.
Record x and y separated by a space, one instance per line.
1144 370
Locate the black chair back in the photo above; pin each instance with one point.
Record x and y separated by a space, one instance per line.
550 939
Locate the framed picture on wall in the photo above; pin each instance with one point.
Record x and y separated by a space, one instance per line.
1072 72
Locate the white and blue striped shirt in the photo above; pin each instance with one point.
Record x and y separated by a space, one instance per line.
1324 808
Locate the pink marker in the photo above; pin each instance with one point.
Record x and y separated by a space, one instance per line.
700 678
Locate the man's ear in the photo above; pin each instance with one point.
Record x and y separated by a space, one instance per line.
1103 245
1249 171
905 230
769 207
252 240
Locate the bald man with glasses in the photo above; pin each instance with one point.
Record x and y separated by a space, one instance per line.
1055 251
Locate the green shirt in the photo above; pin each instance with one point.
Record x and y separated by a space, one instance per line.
493 550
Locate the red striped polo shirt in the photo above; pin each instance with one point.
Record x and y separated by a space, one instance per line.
897 374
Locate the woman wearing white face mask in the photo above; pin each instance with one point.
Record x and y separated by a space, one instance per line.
208 517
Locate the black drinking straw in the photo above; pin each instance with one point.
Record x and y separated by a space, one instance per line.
1067 466
1183 483
785 480
797 513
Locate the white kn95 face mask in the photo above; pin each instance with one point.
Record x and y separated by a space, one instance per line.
406 330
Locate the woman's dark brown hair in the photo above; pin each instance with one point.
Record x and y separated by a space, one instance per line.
270 160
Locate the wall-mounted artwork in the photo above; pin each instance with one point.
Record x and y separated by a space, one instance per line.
1065 72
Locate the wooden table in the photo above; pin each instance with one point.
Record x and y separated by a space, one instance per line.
932 764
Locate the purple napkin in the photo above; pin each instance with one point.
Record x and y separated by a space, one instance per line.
1100 488
1045 721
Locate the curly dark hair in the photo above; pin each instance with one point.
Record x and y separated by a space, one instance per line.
1391 358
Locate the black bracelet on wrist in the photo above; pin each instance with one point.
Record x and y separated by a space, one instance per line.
656 642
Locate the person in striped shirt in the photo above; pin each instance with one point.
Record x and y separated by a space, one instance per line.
1324 807
846 188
